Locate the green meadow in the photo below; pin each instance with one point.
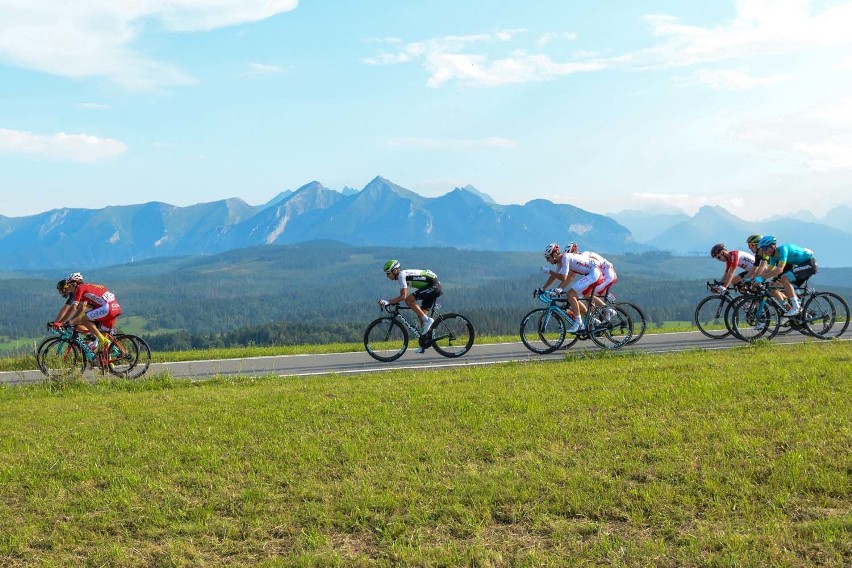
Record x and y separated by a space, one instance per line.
740 457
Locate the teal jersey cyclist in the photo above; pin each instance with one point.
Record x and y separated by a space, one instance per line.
426 288
791 264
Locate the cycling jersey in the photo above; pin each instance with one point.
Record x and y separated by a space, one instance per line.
416 278
608 275
106 307
578 263
790 254
739 258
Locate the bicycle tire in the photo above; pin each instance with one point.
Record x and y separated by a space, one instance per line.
452 335
638 326
612 330
755 317
62 358
707 324
143 363
128 356
385 334
541 332
826 315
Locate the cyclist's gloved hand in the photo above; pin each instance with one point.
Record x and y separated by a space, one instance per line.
722 289
557 291
55 325
537 292
758 279
545 269
383 303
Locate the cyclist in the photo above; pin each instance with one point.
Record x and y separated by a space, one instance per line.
569 265
426 286
733 259
759 259
792 265
610 278
105 307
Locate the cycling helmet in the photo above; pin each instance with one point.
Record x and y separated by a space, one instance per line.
390 265
571 247
551 250
753 239
75 277
717 248
766 242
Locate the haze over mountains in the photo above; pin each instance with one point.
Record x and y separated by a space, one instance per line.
383 213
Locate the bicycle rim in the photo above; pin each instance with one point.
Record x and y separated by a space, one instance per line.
385 340
826 315
755 318
452 335
610 330
542 332
637 316
710 316
62 359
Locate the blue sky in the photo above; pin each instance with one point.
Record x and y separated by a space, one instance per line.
605 105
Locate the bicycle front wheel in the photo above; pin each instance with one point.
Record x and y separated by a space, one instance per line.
710 316
825 315
61 359
542 331
611 327
385 340
452 335
754 317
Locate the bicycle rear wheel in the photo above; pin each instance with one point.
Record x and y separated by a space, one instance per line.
542 331
452 335
825 315
385 340
612 329
128 356
62 358
637 316
710 316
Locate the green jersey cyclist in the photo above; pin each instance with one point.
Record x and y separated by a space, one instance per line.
426 287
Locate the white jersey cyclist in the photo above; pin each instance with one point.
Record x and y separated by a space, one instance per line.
585 267
607 273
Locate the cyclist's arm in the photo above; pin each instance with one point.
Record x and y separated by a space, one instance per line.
403 292
64 312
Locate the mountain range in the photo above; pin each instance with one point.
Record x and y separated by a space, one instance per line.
382 214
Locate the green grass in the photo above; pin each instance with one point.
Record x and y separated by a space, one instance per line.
739 458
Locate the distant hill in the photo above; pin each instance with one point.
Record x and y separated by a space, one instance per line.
382 213
697 234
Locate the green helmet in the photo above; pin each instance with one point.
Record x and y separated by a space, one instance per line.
753 239
390 265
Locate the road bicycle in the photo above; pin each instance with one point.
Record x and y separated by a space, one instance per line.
544 330
823 315
387 337
712 314
67 351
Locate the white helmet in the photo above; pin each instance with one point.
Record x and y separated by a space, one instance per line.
551 250
75 277
571 247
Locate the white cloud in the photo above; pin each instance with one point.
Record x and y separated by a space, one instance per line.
61 146
95 38
451 143
259 69
551 36
760 27
449 59
819 135
737 80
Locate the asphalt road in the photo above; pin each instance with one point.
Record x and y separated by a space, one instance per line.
360 362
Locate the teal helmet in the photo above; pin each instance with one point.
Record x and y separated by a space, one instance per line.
390 266
766 242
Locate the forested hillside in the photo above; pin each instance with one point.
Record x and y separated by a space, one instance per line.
324 291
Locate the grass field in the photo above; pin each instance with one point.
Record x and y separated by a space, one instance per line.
739 458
